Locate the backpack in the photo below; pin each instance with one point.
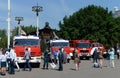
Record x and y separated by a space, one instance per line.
95 65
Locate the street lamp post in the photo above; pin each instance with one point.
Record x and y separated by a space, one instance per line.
37 9
19 19
8 23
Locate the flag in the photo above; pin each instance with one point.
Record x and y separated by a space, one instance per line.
55 36
22 32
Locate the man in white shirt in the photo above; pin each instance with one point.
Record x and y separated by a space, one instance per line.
93 49
12 56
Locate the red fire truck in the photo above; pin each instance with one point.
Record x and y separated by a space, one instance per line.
56 44
20 43
83 47
99 45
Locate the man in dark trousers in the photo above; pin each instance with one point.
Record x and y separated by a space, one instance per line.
27 57
12 59
60 58
95 56
46 59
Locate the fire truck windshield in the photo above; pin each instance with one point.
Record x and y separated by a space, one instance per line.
26 42
83 45
61 44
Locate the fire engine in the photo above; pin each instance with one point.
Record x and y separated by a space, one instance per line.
83 47
99 45
59 43
20 43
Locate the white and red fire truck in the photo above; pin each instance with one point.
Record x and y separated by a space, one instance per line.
83 47
20 43
59 43
99 45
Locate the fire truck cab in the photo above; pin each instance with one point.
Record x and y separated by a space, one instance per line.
83 47
60 43
20 43
101 46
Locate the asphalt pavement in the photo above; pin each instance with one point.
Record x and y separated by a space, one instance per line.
86 71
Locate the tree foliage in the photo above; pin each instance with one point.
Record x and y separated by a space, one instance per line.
92 22
27 29
3 36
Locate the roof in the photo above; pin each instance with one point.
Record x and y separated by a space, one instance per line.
60 40
26 37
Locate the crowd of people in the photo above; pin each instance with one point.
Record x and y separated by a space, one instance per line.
60 57
8 59
98 57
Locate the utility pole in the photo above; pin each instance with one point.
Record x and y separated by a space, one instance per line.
37 9
8 23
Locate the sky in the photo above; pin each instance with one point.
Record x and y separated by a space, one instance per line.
53 11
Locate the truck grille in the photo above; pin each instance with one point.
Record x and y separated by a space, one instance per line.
84 51
22 54
32 54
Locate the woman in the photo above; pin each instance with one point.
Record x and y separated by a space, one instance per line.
100 57
111 57
3 59
76 60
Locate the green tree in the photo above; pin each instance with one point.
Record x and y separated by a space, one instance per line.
2 33
3 38
27 29
92 22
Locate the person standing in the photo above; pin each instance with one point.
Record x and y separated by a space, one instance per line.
118 53
55 56
111 57
100 57
0 55
3 59
12 62
68 58
95 56
60 59
107 57
76 60
46 59
8 60
0 51
27 57
16 62
73 54
65 57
